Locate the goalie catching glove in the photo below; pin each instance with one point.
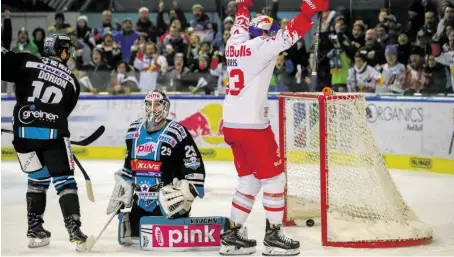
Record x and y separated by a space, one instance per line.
176 198
122 193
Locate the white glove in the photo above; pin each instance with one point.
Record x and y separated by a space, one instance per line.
177 198
121 195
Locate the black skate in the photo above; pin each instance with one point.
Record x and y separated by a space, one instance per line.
235 242
72 224
277 244
38 236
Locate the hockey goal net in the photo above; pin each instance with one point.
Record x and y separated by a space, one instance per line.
336 174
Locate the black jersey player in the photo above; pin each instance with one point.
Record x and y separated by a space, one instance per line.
46 94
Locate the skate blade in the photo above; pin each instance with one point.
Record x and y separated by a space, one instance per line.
233 250
37 242
275 251
80 246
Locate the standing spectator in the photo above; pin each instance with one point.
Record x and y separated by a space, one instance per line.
375 52
60 26
219 45
415 75
126 38
339 60
445 58
97 70
170 56
180 77
429 28
416 16
123 80
404 48
7 30
194 48
178 14
393 72
83 31
176 39
107 25
282 79
82 50
111 51
298 53
383 37
146 26
24 44
447 19
38 38
201 24
150 64
358 39
176 26
362 77
435 77
138 44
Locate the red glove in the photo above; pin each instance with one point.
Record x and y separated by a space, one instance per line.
310 7
244 3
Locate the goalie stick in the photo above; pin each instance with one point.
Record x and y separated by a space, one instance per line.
84 142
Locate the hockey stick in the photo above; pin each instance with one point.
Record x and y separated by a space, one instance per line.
91 240
315 59
90 139
84 142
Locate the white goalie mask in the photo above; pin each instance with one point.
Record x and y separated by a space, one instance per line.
157 106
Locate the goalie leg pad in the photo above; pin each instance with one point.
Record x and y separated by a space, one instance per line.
196 233
124 229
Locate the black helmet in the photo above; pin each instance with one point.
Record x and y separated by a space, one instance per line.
56 43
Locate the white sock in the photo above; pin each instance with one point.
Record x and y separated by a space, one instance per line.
273 198
244 198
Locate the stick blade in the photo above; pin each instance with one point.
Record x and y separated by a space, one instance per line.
90 194
90 243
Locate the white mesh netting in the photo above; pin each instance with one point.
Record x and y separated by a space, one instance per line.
363 202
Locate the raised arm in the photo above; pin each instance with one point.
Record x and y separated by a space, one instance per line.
295 30
240 29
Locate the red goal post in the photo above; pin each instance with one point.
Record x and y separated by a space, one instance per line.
350 191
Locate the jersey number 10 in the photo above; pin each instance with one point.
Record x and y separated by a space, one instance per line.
237 76
47 93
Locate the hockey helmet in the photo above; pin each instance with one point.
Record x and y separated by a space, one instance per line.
263 24
157 107
55 44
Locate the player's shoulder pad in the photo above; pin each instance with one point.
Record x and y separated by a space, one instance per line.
133 128
178 130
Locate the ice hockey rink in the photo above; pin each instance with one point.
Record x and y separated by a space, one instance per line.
430 195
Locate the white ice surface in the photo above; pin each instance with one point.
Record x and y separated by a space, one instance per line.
431 196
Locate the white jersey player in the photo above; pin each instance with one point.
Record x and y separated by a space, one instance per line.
251 54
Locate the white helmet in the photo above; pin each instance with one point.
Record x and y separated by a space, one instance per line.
156 106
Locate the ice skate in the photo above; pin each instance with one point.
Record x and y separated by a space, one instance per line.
38 236
73 224
235 242
277 244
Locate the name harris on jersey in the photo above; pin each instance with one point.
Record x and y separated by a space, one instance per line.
231 53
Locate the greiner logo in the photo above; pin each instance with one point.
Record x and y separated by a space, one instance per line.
28 116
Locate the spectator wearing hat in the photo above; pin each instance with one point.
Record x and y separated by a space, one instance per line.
60 26
112 53
393 72
39 34
201 24
144 25
126 38
24 44
150 64
83 31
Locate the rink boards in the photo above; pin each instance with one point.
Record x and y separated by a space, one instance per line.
412 133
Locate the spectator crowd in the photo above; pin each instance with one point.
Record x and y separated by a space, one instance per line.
379 54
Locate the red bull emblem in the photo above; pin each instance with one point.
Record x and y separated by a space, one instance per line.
207 124
267 20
